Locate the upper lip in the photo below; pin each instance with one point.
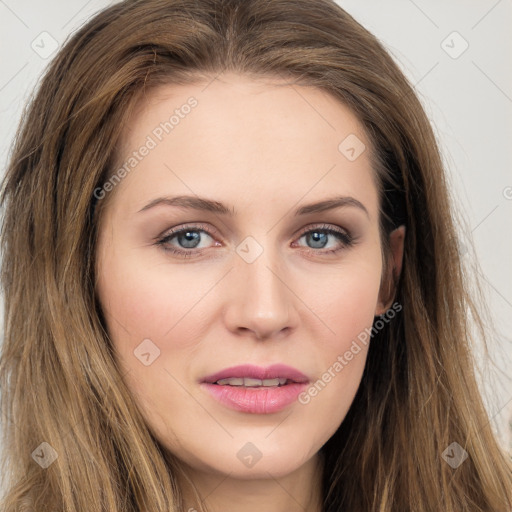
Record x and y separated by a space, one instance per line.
275 371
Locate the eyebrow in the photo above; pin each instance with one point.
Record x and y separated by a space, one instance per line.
200 203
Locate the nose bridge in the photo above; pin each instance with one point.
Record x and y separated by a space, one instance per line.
262 301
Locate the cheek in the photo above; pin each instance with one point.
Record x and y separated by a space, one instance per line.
145 300
345 300
346 304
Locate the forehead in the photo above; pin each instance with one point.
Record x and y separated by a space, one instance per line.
247 140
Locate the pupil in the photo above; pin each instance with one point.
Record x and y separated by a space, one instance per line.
190 238
318 238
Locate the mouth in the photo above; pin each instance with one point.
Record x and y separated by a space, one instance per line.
256 390
248 382
256 376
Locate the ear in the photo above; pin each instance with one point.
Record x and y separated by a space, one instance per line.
392 273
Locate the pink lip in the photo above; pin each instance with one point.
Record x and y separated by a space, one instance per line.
276 371
263 400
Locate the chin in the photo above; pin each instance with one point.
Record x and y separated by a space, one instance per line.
248 456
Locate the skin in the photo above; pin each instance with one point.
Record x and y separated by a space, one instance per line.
263 148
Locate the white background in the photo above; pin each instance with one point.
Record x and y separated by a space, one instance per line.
468 98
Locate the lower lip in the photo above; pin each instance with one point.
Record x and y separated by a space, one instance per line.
262 400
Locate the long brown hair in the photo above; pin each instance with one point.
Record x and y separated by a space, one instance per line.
60 384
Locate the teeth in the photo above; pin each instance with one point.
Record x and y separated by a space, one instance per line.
251 383
231 382
248 382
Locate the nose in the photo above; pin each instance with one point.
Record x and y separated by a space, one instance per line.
261 301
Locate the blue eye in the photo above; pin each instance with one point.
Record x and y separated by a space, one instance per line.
187 239
318 238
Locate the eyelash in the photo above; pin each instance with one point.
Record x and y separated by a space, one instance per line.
346 239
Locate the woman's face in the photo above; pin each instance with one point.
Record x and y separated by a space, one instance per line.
243 231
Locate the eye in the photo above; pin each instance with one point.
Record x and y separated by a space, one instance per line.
187 241
326 239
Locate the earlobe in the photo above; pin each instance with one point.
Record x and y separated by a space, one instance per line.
388 282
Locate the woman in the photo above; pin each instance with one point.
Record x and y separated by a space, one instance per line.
230 279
